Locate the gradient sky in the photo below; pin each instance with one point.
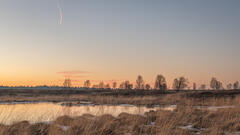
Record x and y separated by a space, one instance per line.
118 40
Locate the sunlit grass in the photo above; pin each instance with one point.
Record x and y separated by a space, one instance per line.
115 121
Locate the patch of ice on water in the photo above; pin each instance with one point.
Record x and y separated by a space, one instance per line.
126 105
188 127
152 123
23 102
64 128
214 108
233 133
191 128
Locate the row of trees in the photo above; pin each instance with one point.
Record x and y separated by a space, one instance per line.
160 83
216 85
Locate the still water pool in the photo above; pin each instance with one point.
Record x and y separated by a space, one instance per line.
46 112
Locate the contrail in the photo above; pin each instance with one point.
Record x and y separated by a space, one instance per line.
60 12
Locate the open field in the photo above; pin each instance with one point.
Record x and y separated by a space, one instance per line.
196 112
135 97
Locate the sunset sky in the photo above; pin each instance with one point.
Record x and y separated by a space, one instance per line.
118 40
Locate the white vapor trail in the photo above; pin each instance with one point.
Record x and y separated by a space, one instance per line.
60 12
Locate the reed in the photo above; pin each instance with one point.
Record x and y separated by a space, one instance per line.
186 119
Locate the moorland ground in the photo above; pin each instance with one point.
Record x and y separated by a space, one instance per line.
135 97
187 119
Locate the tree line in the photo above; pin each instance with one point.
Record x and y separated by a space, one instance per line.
160 83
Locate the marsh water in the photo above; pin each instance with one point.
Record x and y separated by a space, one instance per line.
47 112
35 112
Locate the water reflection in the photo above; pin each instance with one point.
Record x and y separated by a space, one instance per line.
43 112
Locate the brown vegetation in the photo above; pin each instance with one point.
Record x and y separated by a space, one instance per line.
152 123
187 119
136 97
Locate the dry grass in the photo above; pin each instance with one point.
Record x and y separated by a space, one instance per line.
136 97
203 121
166 123
152 123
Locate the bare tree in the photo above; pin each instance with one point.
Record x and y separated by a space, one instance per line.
202 87
236 85
114 85
130 86
107 86
175 84
180 84
67 83
126 85
147 87
101 85
87 84
139 82
121 86
95 86
229 86
160 83
194 86
215 84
